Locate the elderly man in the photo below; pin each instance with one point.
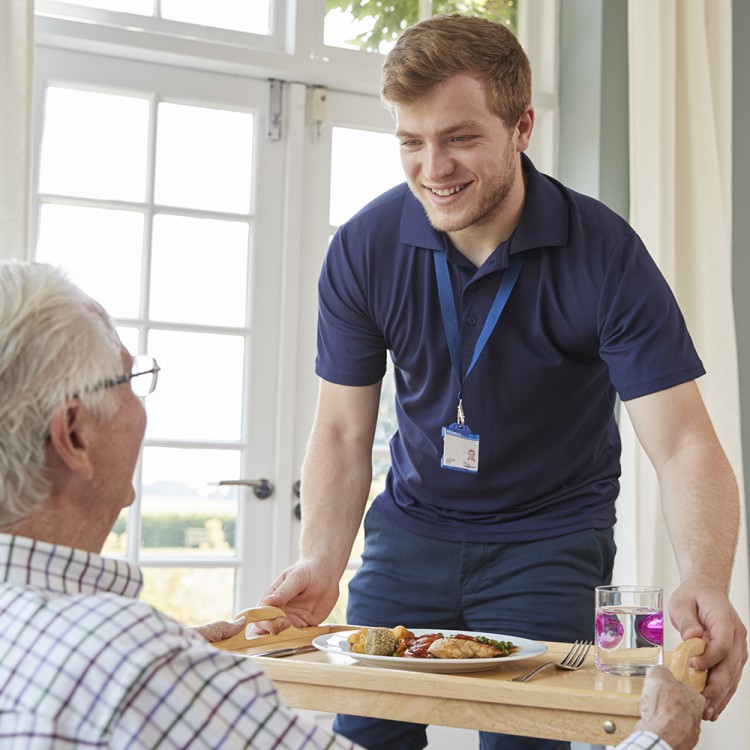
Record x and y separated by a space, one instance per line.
83 663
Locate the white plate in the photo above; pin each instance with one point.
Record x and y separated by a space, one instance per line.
336 643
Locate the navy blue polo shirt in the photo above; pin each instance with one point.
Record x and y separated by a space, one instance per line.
590 317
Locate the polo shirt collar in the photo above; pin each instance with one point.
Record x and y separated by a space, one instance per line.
546 214
544 222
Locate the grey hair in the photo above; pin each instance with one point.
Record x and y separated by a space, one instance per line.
55 343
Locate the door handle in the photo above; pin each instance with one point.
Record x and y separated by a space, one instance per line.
262 488
297 490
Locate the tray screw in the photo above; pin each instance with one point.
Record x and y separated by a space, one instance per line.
609 727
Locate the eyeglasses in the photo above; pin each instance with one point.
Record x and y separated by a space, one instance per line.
142 377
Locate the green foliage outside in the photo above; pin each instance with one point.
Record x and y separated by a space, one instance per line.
169 531
393 16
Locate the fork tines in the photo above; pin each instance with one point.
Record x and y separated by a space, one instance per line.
577 654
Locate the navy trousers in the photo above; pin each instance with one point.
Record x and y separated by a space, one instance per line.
543 590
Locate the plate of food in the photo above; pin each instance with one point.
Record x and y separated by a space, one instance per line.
428 650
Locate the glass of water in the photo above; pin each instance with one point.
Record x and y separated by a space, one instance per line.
629 629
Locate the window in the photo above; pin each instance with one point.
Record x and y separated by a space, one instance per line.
148 197
237 15
192 160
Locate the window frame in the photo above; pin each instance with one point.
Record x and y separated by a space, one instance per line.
290 53
293 51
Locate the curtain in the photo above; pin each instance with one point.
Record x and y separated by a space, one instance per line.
680 71
16 58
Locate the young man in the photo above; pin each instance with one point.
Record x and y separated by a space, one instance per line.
83 663
515 311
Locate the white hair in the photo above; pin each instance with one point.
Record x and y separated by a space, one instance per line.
55 343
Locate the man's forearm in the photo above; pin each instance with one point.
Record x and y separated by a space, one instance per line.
699 493
336 479
700 500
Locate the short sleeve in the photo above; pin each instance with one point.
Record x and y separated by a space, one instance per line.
351 347
643 336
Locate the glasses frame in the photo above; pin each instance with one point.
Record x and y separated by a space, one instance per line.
143 364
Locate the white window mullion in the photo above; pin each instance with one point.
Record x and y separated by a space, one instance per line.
293 247
538 32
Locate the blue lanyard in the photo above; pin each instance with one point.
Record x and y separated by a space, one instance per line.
450 320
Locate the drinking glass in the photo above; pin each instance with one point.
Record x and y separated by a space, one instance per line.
629 628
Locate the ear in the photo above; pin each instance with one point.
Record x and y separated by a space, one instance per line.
524 126
70 431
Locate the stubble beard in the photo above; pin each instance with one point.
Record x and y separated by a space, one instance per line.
489 206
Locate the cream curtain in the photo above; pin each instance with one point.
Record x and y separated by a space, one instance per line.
681 204
16 58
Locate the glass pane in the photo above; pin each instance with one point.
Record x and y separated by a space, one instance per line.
141 7
387 421
379 473
374 26
199 396
85 241
338 615
502 11
369 25
193 596
129 338
94 145
116 544
239 15
211 284
363 164
204 158
183 512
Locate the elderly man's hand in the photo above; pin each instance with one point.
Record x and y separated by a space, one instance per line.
218 631
670 709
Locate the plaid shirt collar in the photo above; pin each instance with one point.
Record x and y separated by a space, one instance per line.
64 570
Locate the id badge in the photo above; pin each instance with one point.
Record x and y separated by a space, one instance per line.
460 449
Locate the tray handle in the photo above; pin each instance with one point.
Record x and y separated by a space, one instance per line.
680 664
258 614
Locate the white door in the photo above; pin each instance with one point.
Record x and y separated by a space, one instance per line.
161 193
351 158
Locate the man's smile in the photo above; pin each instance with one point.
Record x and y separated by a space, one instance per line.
445 192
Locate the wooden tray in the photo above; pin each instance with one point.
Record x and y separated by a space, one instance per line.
582 706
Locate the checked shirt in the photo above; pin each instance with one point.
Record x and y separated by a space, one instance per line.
643 741
84 664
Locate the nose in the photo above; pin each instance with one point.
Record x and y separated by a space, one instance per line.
437 163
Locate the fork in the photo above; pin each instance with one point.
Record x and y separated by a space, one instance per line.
573 660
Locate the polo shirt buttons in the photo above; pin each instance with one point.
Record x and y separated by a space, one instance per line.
472 287
471 320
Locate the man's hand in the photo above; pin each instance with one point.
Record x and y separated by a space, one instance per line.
698 612
218 631
306 591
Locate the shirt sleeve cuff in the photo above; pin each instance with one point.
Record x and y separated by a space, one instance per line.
644 741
